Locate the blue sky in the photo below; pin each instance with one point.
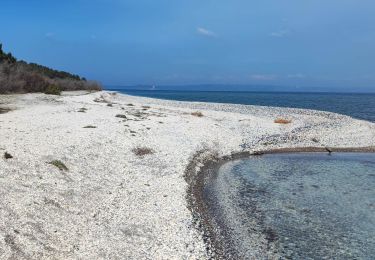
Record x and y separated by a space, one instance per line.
322 43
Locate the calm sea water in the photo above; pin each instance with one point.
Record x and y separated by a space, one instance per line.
360 106
308 206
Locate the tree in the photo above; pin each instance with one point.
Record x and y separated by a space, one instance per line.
8 57
20 76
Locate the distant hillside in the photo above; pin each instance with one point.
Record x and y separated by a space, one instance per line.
21 77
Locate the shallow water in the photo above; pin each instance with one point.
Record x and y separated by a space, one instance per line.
297 206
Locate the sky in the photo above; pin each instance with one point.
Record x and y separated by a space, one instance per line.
304 44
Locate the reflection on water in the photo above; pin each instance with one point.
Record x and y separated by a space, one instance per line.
298 206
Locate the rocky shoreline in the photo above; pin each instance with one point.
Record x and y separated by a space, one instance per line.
217 245
132 165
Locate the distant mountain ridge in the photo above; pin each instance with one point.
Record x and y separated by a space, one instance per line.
20 77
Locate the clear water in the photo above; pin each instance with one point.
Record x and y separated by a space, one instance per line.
307 206
360 106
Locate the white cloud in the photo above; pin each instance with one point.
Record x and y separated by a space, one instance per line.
281 33
296 76
263 77
206 32
49 35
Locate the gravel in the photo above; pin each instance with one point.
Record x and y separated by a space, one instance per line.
113 204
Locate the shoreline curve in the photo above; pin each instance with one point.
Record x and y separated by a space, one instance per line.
207 168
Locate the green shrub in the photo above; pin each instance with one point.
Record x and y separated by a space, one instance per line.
7 155
52 90
18 76
4 110
141 151
59 164
197 114
121 116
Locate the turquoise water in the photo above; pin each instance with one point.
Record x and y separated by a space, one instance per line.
360 106
306 206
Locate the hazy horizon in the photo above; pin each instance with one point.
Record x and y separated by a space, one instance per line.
313 45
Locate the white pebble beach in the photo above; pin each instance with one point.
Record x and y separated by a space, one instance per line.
117 202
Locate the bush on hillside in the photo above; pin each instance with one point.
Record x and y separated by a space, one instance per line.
22 77
52 90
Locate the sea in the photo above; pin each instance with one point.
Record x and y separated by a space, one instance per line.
307 205
360 106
